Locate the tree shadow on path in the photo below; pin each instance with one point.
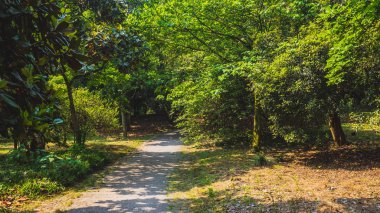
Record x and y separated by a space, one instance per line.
139 184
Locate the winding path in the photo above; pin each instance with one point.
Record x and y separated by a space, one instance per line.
138 184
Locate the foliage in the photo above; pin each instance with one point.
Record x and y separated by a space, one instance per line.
365 118
35 188
19 155
95 115
301 88
52 172
49 38
306 63
37 40
95 159
211 108
65 171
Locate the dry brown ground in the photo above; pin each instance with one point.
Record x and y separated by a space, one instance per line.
337 180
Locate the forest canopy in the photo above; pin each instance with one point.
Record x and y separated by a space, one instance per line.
241 73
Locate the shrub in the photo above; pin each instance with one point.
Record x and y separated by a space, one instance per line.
63 170
95 159
4 189
375 119
211 108
35 188
19 155
95 115
362 118
260 160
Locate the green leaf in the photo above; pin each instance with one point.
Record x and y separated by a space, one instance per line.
26 119
62 26
42 127
27 71
3 83
79 56
58 121
9 100
73 63
42 61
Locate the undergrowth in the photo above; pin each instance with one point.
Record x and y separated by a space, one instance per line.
25 176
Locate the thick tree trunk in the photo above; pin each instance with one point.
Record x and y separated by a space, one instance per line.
336 129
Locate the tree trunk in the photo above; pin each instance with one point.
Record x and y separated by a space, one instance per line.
15 144
257 130
73 115
64 137
124 123
336 129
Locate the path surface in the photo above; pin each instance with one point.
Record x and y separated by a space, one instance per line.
138 184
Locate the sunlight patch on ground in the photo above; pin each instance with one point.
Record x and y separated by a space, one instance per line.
214 180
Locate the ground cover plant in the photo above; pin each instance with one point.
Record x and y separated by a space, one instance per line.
56 171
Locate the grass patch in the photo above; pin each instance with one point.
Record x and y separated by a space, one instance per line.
205 181
362 133
5 147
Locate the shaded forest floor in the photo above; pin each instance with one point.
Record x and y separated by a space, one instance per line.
342 179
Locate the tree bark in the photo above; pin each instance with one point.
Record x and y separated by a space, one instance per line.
74 117
336 129
124 123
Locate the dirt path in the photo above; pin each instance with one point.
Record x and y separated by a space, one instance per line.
138 184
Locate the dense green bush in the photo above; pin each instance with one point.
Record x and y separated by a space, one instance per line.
95 159
19 155
62 170
212 108
375 119
23 174
372 118
95 115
